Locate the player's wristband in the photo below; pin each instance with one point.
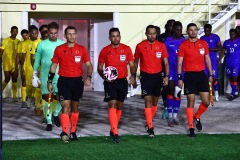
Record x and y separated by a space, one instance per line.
49 82
51 76
210 75
167 76
179 76
89 77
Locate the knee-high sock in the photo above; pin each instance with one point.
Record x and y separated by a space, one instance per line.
148 115
48 117
74 120
190 113
43 104
154 110
14 90
215 86
112 116
29 90
57 109
119 113
169 105
24 94
54 104
200 110
234 87
65 122
37 96
4 84
176 106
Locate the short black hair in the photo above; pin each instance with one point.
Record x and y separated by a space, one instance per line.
233 30
42 26
168 23
14 27
32 27
53 25
114 30
176 24
149 26
191 25
69 27
237 27
24 31
209 26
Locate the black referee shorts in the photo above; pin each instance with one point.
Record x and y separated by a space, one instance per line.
151 84
116 90
70 88
195 82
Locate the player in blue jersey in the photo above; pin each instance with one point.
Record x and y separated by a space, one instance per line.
215 46
232 48
172 44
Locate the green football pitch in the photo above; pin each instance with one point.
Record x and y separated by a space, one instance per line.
131 147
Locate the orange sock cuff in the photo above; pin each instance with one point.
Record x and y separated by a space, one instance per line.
65 122
74 120
112 115
148 115
200 110
154 110
190 114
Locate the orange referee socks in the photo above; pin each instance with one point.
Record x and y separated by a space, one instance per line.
148 115
119 113
65 122
113 120
154 110
200 111
190 113
74 121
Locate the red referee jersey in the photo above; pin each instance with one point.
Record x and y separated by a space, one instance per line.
116 57
70 59
193 54
151 56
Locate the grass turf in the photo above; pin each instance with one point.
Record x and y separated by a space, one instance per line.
204 146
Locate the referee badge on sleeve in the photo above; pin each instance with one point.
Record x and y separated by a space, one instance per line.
77 59
158 55
202 51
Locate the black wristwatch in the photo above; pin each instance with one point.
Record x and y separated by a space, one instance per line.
49 82
90 77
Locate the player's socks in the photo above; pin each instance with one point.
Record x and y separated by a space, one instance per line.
14 89
119 113
43 104
215 86
29 90
176 106
65 122
112 115
57 109
154 110
24 94
170 105
37 96
148 115
190 113
234 87
74 120
54 104
4 84
200 111
48 116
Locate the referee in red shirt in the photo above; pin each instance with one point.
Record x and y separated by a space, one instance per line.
69 57
151 53
192 53
119 56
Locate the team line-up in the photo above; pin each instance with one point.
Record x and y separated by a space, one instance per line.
51 70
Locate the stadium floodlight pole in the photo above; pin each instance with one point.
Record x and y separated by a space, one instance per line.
1 108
